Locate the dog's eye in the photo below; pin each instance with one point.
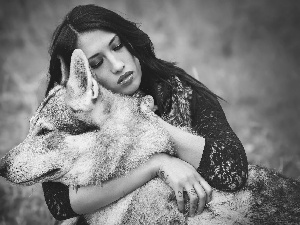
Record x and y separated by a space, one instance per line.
42 128
43 131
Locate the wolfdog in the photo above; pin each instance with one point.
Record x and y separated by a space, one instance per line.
83 134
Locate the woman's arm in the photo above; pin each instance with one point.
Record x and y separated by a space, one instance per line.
223 159
176 173
66 202
224 162
91 198
189 147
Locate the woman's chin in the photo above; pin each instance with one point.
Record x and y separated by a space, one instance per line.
130 89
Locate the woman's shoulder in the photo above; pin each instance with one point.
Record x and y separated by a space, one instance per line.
180 100
191 88
198 95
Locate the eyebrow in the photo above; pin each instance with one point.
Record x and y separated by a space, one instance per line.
110 42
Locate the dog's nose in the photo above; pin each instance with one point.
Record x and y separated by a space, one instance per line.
3 168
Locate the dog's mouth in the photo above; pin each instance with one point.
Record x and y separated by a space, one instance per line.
53 174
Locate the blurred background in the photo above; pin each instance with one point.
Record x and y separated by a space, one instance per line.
247 52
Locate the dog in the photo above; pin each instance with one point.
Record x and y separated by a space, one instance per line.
83 134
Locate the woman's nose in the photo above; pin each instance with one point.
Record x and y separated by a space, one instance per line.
116 65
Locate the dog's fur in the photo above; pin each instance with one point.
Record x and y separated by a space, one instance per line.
83 134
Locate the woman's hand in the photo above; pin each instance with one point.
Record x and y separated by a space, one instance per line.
181 176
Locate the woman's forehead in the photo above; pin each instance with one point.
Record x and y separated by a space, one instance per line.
94 41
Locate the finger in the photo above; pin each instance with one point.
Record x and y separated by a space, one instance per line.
180 200
194 199
207 188
202 195
155 107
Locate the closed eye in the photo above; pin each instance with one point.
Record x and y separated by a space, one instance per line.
118 47
43 128
43 131
97 64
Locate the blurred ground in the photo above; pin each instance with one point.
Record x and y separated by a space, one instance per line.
247 52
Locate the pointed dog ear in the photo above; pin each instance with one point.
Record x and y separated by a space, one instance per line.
64 71
82 88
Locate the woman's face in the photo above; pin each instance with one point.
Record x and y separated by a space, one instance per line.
115 67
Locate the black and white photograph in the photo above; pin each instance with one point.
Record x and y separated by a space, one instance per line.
128 112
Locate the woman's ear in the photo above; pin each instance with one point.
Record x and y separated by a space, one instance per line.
64 71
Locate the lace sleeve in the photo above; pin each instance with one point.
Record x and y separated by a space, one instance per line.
57 199
224 162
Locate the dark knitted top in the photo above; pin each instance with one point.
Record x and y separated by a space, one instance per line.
223 165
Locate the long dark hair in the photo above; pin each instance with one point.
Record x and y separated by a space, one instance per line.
155 71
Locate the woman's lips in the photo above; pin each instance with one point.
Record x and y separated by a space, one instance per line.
126 77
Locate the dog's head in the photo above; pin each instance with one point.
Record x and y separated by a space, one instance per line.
82 130
63 126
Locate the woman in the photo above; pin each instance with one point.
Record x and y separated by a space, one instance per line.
122 57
